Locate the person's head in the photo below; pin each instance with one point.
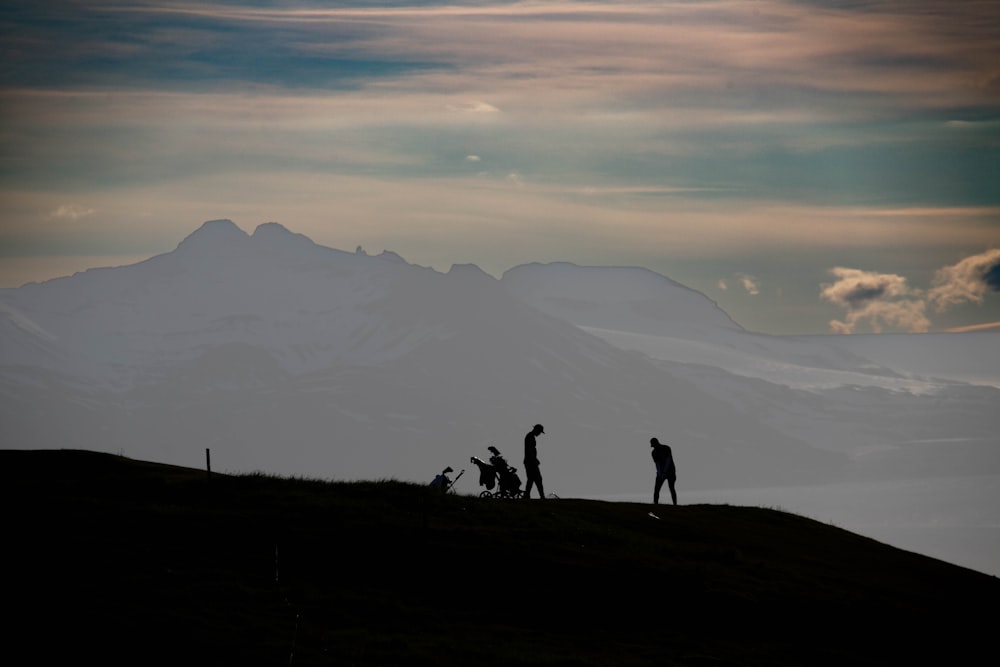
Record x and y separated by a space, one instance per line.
538 430
653 442
494 450
447 470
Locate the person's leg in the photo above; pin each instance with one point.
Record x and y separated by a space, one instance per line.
534 478
656 489
673 491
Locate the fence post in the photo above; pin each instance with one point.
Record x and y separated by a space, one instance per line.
208 461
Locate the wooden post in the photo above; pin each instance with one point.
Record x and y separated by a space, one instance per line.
208 461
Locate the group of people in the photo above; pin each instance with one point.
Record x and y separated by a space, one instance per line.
662 455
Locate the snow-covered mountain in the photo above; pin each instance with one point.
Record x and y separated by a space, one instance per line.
637 309
285 356
842 393
281 355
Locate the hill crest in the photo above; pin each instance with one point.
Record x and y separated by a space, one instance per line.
253 569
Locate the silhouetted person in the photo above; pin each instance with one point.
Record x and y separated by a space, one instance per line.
531 462
665 469
442 482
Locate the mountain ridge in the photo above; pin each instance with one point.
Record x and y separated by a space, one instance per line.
362 341
282 355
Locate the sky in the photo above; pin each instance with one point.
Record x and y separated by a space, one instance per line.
814 167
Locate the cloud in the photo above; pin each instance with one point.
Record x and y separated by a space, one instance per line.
985 326
750 284
71 212
514 178
473 107
968 280
876 298
746 281
887 299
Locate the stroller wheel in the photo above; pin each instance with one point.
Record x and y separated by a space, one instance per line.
485 494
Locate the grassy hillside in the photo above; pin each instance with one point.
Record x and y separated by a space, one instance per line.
126 562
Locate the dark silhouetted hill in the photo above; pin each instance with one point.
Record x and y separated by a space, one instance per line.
115 561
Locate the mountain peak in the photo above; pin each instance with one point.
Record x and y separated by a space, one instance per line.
273 230
214 233
470 272
275 234
391 256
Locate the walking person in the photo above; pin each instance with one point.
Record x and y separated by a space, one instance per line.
531 462
665 469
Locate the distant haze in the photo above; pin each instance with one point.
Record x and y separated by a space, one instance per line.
282 355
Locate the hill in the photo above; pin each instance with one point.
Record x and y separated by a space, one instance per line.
119 561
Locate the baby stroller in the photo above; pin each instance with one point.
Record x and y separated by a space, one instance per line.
499 475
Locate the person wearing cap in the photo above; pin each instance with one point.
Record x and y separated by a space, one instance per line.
531 470
442 482
665 470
